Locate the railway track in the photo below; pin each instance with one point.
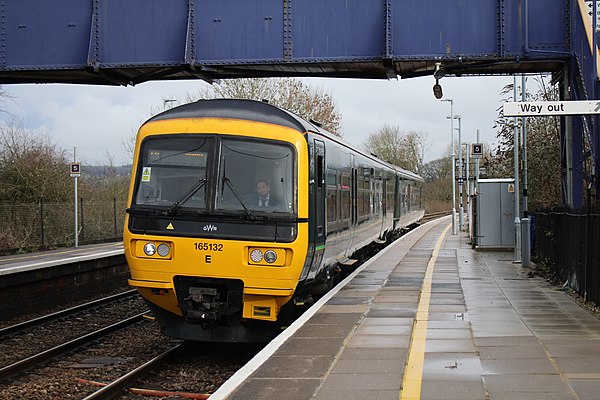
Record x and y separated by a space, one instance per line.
35 322
124 382
28 344
431 216
46 355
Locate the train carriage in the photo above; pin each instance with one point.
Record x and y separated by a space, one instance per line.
216 264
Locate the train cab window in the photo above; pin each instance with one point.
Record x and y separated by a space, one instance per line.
173 172
246 165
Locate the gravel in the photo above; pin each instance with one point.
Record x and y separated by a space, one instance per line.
196 368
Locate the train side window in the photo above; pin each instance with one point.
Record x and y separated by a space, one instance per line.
319 171
331 195
345 198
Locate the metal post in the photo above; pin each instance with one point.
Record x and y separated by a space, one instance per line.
460 177
75 200
43 228
525 222
477 168
115 215
453 167
467 151
476 192
517 257
82 223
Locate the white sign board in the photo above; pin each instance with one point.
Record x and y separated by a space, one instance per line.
538 108
590 4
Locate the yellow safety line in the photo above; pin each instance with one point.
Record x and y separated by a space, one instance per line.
413 373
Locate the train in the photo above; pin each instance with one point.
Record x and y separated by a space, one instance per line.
240 214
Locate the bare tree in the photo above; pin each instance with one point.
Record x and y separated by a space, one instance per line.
543 146
292 94
391 144
31 166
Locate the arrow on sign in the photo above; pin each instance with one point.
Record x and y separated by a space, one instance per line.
597 107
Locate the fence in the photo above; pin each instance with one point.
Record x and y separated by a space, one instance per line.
30 227
568 242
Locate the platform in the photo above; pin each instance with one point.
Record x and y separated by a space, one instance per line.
47 279
431 318
16 263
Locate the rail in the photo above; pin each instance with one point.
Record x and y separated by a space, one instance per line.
13 329
46 355
114 388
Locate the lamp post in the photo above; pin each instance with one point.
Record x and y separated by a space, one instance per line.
453 168
468 188
460 176
517 255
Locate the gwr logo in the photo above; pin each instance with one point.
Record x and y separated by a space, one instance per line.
210 228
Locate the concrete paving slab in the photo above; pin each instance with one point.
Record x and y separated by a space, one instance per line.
391 312
362 381
404 330
294 367
525 383
347 309
452 367
573 348
452 390
531 396
579 365
586 389
515 366
281 389
344 394
449 346
368 353
317 347
374 321
496 341
432 324
442 333
511 352
349 319
369 366
380 341
322 331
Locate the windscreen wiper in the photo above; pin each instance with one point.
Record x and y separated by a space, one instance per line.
238 197
185 197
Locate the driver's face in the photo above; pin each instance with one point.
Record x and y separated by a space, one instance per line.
262 189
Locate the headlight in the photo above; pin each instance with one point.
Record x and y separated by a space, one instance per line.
149 249
270 256
163 250
256 255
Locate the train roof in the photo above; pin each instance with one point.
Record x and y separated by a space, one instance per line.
251 110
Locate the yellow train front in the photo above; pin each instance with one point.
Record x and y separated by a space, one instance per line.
212 261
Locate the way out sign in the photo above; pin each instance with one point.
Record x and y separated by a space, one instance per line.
539 108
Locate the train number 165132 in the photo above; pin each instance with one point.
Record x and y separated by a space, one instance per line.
208 246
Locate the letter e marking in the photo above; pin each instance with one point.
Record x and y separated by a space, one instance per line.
208 259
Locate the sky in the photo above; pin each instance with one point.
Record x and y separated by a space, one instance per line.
98 119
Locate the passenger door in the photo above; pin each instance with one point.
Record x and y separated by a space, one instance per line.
318 192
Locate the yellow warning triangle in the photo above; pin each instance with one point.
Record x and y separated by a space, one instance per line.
170 226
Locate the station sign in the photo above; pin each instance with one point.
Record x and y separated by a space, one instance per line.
477 150
541 108
75 169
